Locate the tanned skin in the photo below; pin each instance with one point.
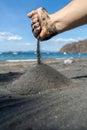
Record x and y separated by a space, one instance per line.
45 25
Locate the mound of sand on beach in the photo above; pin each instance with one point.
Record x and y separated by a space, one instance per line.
37 79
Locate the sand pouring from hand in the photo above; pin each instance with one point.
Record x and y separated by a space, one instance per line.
38 79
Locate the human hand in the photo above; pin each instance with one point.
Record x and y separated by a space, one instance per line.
42 24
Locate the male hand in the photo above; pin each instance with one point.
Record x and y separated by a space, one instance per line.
42 25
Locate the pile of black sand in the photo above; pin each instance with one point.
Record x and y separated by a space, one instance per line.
38 79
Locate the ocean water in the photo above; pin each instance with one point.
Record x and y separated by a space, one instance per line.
5 56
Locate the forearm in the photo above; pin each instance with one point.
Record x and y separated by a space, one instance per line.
47 25
71 16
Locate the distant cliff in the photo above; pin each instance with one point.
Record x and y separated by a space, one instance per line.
80 46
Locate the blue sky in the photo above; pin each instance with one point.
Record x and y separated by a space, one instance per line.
15 28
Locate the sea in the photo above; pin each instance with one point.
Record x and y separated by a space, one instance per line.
32 56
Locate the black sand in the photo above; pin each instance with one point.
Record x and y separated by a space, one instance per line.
54 109
38 79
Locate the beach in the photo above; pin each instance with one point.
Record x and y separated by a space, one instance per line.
63 107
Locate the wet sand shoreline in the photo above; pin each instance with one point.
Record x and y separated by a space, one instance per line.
49 110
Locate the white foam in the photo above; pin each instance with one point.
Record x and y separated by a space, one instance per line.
28 60
15 53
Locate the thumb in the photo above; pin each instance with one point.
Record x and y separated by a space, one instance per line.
44 35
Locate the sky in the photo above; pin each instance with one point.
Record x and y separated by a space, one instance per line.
15 27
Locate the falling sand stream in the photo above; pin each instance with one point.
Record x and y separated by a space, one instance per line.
38 79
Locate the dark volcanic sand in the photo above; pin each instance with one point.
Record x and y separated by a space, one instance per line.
37 79
54 109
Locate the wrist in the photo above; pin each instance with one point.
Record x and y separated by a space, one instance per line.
58 22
